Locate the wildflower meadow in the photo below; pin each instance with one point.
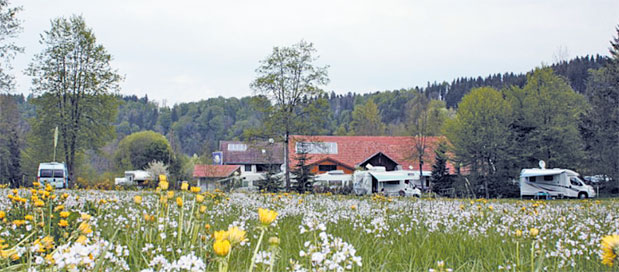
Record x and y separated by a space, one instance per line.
43 229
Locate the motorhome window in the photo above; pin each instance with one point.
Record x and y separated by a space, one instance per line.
248 168
575 182
46 173
326 167
392 182
548 178
532 179
58 173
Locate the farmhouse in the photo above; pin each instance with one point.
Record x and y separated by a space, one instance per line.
255 157
211 177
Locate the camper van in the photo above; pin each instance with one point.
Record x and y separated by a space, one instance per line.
333 179
54 174
390 183
553 183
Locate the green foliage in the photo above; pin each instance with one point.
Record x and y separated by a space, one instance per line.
290 79
137 150
73 77
600 124
9 28
302 173
10 157
366 120
545 120
479 135
440 173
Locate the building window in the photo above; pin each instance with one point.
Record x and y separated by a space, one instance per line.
248 168
326 167
316 148
237 147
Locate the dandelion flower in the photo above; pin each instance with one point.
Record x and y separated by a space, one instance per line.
195 189
221 247
534 232
179 201
199 198
137 199
64 214
202 209
236 235
2 215
63 223
518 233
39 203
185 186
266 216
220 235
610 249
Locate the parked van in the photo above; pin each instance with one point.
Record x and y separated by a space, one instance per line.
53 173
556 182
390 183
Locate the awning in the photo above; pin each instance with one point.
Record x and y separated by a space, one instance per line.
540 172
387 176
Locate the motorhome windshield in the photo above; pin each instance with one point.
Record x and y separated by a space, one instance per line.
575 181
46 173
58 173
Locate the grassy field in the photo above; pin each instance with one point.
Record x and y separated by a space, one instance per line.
87 230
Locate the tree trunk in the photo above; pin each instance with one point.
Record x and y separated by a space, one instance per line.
287 161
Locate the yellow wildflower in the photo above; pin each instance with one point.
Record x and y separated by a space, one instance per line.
207 226
163 185
59 208
274 241
610 249
29 217
137 199
179 201
199 198
19 222
64 214
86 216
221 247
195 189
220 235
518 233
39 203
81 240
184 186
533 232
2 215
170 194
84 228
266 216
202 209
63 223
236 235
353 207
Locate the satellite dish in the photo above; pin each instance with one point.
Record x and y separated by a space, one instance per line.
542 164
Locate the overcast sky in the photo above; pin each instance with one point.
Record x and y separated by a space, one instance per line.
187 50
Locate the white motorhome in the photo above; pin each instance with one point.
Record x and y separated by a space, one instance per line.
54 174
333 179
555 182
391 183
136 177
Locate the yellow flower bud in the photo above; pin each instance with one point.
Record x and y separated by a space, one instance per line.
266 216
179 202
137 199
534 232
221 247
185 186
199 198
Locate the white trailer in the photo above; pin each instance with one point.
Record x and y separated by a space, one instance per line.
555 182
391 183
333 179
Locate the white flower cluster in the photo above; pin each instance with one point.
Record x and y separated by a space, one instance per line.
187 262
330 254
79 257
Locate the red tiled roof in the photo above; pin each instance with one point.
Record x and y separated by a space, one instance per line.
353 150
214 171
273 153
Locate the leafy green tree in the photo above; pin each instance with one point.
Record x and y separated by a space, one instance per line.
366 120
478 134
546 112
440 172
9 28
74 79
10 157
139 149
286 77
600 124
